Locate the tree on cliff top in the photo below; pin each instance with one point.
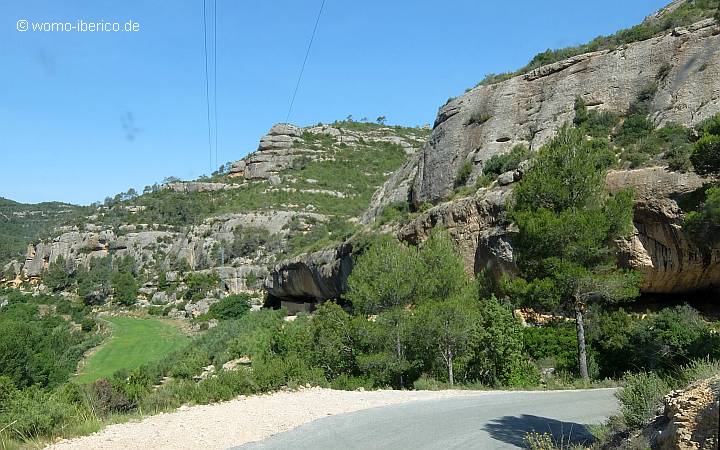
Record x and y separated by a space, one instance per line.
566 224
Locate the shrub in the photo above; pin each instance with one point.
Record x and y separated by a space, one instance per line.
662 341
427 383
106 399
678 158
498 164
393 212
600 123
199 284
553 343
641 397
540 441
710 125
484 180
581 111
634 128
478 118
288 371
247 241
349 383
463 175
230 307
34 412
125 288
706 155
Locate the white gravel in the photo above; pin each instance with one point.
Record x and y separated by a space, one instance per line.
245 419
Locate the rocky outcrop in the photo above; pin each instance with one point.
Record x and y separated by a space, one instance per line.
395 190
198 186
288 146
671 261
312 277
529 109
689 418
277 152
660 248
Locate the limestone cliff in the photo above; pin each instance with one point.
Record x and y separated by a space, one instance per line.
683 66
287 195
671 261
528 109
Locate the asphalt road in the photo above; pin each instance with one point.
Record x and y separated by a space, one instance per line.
493 420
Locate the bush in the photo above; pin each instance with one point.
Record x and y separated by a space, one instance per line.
125 288
34 412
230 307
288 371
640 398
393 212
463 175
199 284
706 155
427 383
247 241
553 344
498 164
349 383
581 111
634 128
106 399
478 118
662 341
600 124
678 158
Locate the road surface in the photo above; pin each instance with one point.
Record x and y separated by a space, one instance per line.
496 420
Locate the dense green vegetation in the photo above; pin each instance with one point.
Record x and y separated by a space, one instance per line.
42 339
339 185
132 343
684 15
22 224
635 138
704 221
104 278
565 227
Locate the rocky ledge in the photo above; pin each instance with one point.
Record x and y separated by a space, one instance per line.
683 66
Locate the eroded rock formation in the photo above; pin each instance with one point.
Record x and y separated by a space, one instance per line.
683 67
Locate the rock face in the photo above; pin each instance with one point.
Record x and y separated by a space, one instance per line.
396 190
668 257
275 153
529 109
689 419
197 247
285 147
313 277
196 186
659 247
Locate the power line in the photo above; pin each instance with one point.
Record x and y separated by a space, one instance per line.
217 160
302 69
207 82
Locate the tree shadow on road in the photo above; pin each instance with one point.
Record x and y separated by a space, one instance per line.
512 430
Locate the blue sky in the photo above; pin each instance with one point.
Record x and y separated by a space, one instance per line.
87 115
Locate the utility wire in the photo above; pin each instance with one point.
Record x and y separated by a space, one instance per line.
207 82
302 69
217 160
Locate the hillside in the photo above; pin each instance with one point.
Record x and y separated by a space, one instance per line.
304 189
22 224
557 228
647 100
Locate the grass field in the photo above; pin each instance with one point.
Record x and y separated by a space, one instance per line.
133 343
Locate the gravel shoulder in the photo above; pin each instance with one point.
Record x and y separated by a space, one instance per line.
243 420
